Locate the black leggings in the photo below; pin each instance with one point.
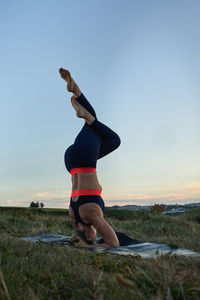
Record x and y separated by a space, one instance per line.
92 143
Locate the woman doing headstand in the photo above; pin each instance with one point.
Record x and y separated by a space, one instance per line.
94 141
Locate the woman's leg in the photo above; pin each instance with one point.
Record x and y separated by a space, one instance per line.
86 147
85 103
110 139
72 217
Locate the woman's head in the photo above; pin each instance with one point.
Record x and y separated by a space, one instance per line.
89 231
90 234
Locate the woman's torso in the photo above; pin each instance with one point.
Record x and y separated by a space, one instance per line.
83 181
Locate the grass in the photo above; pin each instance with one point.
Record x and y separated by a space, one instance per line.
41 271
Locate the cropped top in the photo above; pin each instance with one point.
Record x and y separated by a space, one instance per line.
82 170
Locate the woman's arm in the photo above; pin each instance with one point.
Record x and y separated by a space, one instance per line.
91 213
105 231
72 218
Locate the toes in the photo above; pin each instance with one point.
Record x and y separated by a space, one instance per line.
68 75
61 71
65 74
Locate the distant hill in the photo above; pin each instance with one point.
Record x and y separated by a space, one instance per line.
169 208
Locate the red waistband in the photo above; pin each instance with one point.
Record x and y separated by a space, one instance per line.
86 192
82 170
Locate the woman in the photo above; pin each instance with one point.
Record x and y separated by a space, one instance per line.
94 141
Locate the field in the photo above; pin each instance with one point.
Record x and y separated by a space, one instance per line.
41 271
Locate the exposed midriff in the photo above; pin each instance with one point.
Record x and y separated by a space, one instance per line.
85 181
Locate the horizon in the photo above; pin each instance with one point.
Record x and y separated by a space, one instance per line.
138 65
106 206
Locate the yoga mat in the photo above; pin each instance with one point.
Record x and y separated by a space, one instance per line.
127 246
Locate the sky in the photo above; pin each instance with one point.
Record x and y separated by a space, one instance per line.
138 64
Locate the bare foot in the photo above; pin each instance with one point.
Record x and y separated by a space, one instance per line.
81 111
72 86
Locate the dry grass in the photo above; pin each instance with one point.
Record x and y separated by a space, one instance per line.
41 271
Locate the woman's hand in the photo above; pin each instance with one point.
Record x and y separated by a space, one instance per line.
81 243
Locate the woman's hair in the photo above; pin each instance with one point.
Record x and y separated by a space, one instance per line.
88 236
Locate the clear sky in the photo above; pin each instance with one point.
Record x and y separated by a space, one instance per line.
137 62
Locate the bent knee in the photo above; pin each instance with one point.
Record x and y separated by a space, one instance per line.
117 141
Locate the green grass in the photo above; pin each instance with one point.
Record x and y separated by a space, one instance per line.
41 271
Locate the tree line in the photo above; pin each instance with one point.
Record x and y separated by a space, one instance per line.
36 204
